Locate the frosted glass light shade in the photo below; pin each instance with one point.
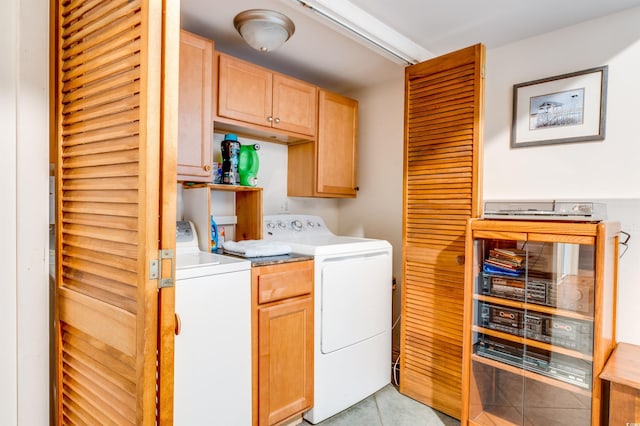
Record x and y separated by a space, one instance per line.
264 30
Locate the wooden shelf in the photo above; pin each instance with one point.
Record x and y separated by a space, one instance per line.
532 307
219 187
225 220
531 375
246 217
488 418
533 343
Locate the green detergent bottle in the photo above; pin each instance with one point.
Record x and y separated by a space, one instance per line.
248 164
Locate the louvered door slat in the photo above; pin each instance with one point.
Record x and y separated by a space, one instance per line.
418 162
439 242
426 350
108 62
104 110
425 303
102 122
447 326
110 51
440 187
121 131
457 133
426 360
85 58
124 250
429 72
78 8
120 144
102 89
120 182
443 107
124 155
85 12
456 98
99 18
111 95
90 74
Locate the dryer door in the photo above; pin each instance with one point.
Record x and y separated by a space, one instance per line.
356 299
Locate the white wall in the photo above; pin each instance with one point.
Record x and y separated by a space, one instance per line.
24 158
377 210
8 260
608 170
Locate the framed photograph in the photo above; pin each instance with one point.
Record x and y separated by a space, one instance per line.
561 109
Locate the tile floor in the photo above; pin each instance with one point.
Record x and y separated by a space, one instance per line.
388 407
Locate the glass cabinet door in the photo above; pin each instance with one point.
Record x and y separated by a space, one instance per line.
532 332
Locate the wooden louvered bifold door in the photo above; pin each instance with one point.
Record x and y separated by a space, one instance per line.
444 101
108 114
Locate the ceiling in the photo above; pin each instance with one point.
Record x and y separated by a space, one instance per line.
331 57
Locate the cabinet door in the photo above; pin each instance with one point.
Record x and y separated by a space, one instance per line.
336 147
244 91
195 131
285 359
294 105
541 323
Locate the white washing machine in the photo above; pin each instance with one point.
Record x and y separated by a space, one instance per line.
352 290
213 350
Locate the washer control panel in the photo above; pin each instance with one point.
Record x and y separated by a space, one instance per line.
290 226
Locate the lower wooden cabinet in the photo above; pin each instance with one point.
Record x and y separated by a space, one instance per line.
540 321
282 298
621 374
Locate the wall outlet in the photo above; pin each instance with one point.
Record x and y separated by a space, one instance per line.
284 205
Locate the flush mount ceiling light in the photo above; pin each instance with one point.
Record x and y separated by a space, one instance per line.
264 30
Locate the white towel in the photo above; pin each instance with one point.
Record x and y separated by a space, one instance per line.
256 248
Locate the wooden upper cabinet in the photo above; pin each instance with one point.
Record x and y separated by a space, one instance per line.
255 95
321 126
294 105
328 167
244 91
336 148
195 117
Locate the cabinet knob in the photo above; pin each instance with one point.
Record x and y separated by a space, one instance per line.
270 119
277 120
207 168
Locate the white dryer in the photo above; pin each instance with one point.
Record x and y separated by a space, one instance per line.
212 358
352 290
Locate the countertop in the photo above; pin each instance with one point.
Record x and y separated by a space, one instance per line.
273 260
623 366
